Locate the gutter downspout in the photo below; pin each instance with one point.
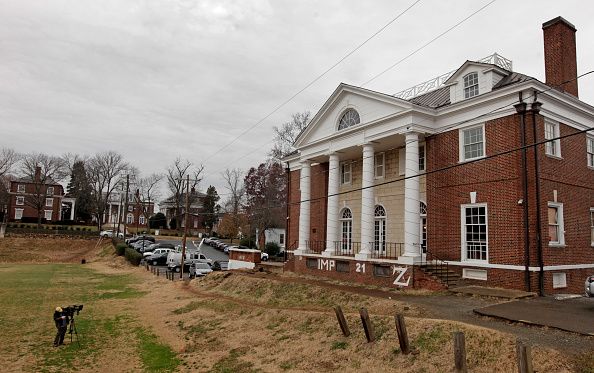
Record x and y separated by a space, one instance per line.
287 221
535 110
521 109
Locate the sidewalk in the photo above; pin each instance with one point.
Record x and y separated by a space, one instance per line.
573 315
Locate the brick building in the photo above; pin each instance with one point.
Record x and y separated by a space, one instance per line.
28 198
489 179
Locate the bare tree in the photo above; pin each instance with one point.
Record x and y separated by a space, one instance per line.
8 158
42 171
148 190
286 134
234 180
71 158
104 172
176 181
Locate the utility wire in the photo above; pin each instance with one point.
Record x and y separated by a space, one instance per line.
278 107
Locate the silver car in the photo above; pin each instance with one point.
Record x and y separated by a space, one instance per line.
199 269
589 286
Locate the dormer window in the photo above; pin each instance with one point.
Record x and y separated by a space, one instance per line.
471 87
348 119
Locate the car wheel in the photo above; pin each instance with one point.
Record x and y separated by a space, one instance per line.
176 269
154 262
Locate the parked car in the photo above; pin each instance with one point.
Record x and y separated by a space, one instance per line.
108 233
263 256
589 286
199 269
142 244
137 238
174 260
157 251
157 259
158 245
220 265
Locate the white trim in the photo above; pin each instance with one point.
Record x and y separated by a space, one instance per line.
342 173
21 190
474 274
46 213
22 201
556 144
560 225
591 226
590 150
461 154
463 232
382 165
19 211
51 202
560 281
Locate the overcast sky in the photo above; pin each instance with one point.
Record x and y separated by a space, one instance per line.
158 79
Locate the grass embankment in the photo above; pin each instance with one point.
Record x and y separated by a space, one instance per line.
110 335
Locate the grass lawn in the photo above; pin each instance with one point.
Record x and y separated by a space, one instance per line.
108 330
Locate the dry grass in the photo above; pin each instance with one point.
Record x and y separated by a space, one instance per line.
46 250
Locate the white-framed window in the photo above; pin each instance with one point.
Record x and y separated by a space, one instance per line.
422 158
590 150
348 119
471 85
555 223
380 165
129 219
346 234
20 200
472 143
559 280
49 202
475 239
345 173
281 239
21 188
379 236
48 215
130 208
142 220
18 214
423 220
50 191
592 226
551 131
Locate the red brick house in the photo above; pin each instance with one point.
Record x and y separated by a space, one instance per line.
27 194
488 179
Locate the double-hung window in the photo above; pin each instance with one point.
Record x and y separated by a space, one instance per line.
471 87
551 132
474 232
590 150
18 214
555 222
380 165
592 226
50 191
472 143
20 200
422 158
21 188
48 215
345 173
49 202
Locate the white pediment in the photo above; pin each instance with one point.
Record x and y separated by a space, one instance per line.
488 75
371 107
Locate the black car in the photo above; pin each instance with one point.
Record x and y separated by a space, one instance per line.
130 241
220 265
157 259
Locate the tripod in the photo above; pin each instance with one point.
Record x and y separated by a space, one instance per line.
72 330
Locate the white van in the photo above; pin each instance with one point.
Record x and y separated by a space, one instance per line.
174 260
156 251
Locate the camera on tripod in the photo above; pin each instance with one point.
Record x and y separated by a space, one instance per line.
70 310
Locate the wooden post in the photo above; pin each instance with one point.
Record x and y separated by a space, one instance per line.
460 353
158 270
342 321
402 334
524 355
367 326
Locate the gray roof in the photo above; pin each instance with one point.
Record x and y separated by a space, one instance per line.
441 96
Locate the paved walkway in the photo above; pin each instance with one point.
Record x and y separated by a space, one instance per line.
573 315
492 292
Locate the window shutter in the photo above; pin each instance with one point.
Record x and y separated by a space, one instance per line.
401 161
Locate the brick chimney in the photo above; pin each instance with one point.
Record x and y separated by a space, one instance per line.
560 55
37 174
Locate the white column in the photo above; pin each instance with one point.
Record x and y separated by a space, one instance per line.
367 202
412 247
304 222
332 208
72 210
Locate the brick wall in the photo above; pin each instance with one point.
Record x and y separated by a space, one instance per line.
32 192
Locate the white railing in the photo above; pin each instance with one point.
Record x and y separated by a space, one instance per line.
438 82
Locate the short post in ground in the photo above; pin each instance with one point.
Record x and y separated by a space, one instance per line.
342 321
524 356
460 353
402 334
367 326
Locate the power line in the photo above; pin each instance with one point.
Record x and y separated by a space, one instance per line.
428 43
278 107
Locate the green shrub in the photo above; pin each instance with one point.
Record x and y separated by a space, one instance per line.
249 242
121 249
133 256
272 248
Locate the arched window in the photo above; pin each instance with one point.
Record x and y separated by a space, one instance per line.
379 237
423 233
348 119
129 219
471 85
346 223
